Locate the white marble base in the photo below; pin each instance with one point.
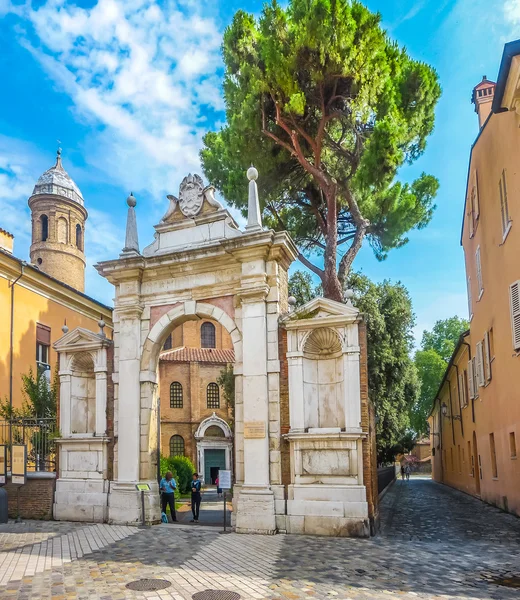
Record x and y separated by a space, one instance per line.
255 511
124 504
81 500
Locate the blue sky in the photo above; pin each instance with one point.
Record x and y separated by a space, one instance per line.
129 88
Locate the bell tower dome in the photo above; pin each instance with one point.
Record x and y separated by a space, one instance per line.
58 226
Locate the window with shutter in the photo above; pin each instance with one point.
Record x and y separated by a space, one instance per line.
480 365
470 303
504 208
475 377
471 380
514 296
487 356
479 273
461 391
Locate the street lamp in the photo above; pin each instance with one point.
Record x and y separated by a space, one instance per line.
444 409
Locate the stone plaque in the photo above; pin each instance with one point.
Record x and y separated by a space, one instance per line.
254 430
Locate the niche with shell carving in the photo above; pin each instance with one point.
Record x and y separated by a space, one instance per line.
83 394
323 379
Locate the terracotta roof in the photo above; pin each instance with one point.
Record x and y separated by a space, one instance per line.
6 232
207 355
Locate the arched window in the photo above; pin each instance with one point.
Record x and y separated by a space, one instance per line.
168 343
207 335
214 431
175 395
213 395
79 237
44 220
62 231
176 445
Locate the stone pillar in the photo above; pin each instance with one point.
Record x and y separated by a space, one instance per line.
255 507
65 390
101 401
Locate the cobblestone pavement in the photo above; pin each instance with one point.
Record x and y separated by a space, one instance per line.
434 543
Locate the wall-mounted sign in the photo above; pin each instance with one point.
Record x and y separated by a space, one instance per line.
224 479
19 466
142 487
254 430
3 463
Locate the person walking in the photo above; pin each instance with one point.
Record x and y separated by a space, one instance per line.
407 472
195 497
219 489
168 487
402 472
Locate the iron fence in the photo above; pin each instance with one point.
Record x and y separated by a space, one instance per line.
40 437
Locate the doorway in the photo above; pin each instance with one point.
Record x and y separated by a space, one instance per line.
214 460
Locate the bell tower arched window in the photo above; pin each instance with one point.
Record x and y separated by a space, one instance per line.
44 220
176 445
79 237
208 336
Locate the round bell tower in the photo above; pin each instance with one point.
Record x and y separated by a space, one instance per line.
58 226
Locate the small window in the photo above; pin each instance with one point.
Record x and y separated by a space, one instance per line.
168 343
207 335
44 220
175 395
43 344
479 273
79 237
176 445
512 444
213 396
493 455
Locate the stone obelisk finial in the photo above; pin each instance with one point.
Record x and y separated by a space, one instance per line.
131 240
254 217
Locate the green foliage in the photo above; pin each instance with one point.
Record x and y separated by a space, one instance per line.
329 108
302 287
40 399
392 376
226 381
182 469
431 361
444 336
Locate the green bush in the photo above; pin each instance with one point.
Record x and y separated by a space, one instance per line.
182 469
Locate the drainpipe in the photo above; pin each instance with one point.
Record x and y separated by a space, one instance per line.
11 353
451 412
11 340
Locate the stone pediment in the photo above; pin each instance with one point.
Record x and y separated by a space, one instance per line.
80 339
319 312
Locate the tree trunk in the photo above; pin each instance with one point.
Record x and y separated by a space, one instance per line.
331 285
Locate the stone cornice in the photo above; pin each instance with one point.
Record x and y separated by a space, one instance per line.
248 295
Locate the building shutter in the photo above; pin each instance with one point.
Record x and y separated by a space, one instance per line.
475 191
480 365
475 377
487 356
514 295
479 271
462 398
470 379
43 334
470 302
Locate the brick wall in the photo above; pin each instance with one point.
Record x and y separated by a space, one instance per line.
36 496
285 455
369 443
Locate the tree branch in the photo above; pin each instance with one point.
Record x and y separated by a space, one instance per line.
310 266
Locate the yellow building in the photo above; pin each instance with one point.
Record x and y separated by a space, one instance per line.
38 298
475 420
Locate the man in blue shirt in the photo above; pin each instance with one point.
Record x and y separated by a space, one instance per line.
168 487
195 497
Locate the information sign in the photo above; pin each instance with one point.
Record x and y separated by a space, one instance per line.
142 487
224 480
254 430
19 466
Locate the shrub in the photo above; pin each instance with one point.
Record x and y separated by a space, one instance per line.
182 469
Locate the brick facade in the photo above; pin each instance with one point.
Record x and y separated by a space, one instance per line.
36 496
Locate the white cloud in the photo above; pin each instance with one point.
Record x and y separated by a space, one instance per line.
512 11
141 72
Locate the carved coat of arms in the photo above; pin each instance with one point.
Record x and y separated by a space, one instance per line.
191 197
